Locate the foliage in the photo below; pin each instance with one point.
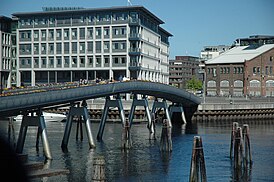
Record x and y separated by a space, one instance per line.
194 84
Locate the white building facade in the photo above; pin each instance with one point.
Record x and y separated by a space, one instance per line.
66 45
5 52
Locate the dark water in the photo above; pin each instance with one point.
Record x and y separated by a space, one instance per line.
144 161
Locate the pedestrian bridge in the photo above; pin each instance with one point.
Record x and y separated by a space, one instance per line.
18 103
43 98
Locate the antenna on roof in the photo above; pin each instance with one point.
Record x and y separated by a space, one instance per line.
129 3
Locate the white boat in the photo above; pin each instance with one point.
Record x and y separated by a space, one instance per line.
49 117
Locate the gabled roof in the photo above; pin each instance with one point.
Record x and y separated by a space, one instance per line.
240 54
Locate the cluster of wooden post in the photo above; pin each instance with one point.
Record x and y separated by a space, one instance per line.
197 168
99 169
166 142
240 148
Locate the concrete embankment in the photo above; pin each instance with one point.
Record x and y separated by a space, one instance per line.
253 110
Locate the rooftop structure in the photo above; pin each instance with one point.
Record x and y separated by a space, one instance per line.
254 39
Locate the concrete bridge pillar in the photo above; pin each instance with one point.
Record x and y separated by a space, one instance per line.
142 102
33 120
163 104
111 103
80 111
177 108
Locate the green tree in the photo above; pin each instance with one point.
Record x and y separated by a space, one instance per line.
194 84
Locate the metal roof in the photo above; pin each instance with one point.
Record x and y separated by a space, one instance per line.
240 54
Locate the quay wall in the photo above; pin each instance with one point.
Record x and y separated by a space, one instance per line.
219 109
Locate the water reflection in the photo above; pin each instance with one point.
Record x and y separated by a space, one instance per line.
145 161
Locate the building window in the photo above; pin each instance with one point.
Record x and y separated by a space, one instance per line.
269 83
254 70
238 83
224 83
255 83
214 72
221 71
258 70
211 83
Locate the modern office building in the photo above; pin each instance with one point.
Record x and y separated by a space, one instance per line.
5 52
242 71
182 69
69 44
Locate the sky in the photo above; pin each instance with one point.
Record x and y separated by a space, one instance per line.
193 23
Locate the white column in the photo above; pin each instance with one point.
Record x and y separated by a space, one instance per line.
32 74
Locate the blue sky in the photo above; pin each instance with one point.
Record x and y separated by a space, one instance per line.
193 23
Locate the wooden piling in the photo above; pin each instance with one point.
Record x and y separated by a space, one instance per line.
79 127
166 142
246 141
11 133
126 138
238 149
197 168
99 169
233 131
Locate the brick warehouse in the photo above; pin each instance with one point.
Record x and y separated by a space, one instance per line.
241 71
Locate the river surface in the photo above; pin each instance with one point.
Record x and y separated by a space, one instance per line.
144 161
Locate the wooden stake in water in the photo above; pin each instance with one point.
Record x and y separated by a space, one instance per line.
99 169
166 142
234 128
238 149
197 168
79 127
246 141
126 138
11 132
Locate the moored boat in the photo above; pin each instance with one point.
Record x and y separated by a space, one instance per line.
49 117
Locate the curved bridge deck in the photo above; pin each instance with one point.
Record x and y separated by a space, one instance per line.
15 104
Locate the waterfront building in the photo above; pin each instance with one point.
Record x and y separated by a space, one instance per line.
5 52
242 71
182 69
69 44
210 52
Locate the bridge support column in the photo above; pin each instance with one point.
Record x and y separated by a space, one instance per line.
177 107
163 104
38 121
111 103
80 112
142 102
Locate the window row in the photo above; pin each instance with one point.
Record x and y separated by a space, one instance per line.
80 19
268 70
226 70
72 33
225 83
72 61
73 47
